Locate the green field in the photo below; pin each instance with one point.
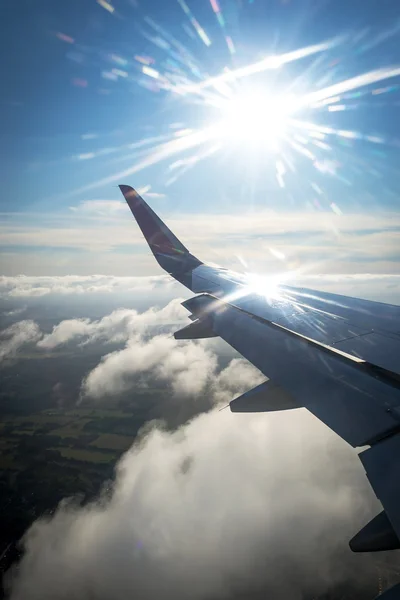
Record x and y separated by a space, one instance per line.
35 421
95 413
53 448
72 429
113 441
86 434
93 456
6 444
7 463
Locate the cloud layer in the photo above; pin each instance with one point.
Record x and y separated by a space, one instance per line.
188 367
24 286
384 287
98 237
114 328
228 503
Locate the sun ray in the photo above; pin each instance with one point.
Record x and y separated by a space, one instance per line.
270 62
286 114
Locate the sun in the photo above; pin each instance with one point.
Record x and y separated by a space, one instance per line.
256 118
268 287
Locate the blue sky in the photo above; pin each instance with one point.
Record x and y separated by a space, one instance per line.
100 93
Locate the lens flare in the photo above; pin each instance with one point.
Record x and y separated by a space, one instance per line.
268 287
295 120
257 117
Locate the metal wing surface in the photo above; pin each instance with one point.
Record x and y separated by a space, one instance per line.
337 356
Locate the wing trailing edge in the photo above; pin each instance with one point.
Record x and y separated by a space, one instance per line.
198 330
266 397
378 535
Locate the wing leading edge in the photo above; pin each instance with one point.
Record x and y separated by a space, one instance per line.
337 356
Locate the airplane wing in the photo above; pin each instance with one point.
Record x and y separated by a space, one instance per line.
337 356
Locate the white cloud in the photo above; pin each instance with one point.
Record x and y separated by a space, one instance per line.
116 327
111 208
17 335
294 231
90 242
65 262
187 366
228 503
100 236
155 195
100 207
238 377
375 286
65 332
23 286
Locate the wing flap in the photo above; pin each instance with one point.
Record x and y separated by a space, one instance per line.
197 330
376 536
198 305
266 397
356 311
377 348
392 594
323 328
381 463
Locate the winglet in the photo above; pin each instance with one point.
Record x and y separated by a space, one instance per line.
169 252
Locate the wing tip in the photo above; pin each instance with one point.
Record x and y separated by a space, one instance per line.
168 250
128 190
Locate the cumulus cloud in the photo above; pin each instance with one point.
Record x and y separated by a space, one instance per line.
227 504
116 327
186 365
65 332
17 335
238 377
189 367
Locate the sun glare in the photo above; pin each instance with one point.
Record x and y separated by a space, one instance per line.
263 286
257 117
